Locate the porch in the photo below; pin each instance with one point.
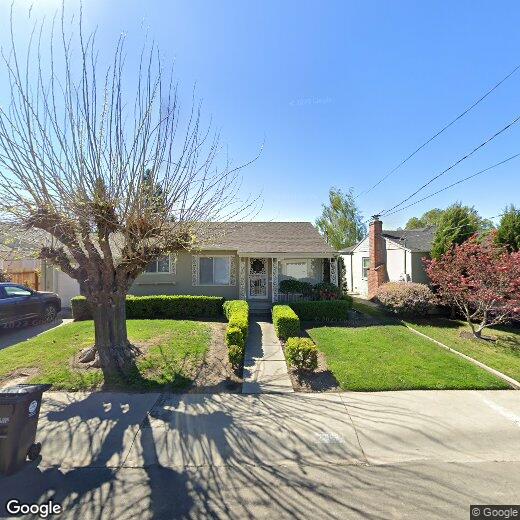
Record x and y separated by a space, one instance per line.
260 275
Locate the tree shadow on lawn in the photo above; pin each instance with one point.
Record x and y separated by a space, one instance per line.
111 456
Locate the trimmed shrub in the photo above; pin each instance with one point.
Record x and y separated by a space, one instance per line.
237 314
286 322
326 310
406 298
80 308
236 355
301 353
295 287
327 291
159 307
234 336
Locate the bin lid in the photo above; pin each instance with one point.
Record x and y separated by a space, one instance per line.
24 389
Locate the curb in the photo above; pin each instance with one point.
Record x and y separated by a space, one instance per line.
513 383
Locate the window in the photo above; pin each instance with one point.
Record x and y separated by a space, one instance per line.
13 291
214 270
161 265
365 266
297 269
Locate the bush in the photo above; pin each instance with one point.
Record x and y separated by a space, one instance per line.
301 353
327 291
406 299
295 287
237 314
235 355
80 308
332 310
286 322
159 307
234 336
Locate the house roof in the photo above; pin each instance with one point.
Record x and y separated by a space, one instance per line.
264 237
416 240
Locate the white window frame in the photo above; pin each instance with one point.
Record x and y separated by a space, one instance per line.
363 258
296 260
215 284
171 266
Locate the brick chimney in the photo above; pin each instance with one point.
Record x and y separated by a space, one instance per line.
377 274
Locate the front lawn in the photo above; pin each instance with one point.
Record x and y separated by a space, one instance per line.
390 357
502 354
172 352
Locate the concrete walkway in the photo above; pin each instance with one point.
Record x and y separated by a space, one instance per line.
395 455
265 369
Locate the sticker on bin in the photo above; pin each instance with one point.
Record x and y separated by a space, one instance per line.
4 420
32 408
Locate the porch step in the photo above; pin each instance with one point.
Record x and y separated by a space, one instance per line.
260 307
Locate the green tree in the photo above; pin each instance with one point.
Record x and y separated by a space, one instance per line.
341 222
430 218
455 226
508 233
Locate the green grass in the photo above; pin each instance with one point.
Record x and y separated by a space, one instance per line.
173 350
502 355
390 357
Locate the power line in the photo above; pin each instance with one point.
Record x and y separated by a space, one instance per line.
445 127
435 177
454 184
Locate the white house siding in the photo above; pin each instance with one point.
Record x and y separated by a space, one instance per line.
354 274
418 269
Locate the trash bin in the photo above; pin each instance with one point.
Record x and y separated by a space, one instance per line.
19 413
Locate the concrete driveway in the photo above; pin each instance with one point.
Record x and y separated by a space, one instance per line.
351 455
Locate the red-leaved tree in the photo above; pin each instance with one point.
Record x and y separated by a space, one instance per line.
481 280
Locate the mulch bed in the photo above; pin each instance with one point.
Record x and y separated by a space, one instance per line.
215 375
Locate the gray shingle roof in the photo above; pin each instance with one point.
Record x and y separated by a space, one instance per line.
264 237
419 240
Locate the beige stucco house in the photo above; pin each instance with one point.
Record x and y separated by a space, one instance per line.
237 260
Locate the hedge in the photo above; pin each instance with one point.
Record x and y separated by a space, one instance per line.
159 307
286 322
237 314
301 353
326 310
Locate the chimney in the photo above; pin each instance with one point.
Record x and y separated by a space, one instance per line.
377 274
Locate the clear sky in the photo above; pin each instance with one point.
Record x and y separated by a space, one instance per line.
339 92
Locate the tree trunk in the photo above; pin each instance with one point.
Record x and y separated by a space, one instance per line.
116 355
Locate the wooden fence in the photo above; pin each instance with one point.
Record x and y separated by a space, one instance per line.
28 278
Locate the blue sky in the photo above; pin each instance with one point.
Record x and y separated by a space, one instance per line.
339 92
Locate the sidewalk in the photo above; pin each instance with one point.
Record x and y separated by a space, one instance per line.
265 368
415 454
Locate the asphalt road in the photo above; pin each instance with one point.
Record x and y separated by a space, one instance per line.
353 455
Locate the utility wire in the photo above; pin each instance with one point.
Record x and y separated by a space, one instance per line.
445 127
454 184
435 177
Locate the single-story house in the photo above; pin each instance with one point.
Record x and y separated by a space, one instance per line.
236 260
386 256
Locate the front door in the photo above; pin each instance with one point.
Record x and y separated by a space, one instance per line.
258 278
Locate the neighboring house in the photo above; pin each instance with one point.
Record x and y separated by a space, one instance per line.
237 260
396 256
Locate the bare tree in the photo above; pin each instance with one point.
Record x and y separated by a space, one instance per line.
104 173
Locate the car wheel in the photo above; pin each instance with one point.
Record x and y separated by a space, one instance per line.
49 313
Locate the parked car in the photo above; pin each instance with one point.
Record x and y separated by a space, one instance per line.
20 304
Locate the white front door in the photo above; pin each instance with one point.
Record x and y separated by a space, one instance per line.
258 278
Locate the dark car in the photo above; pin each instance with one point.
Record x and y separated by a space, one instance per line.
19 304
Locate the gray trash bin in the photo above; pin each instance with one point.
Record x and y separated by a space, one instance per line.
19 413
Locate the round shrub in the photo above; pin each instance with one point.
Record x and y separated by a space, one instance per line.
235 355
405 298
301 353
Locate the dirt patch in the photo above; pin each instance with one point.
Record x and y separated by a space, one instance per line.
320 380
484 339
215 375
19 377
